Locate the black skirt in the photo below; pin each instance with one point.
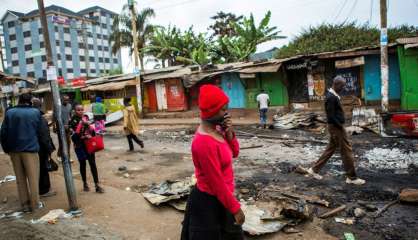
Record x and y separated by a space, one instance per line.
207 219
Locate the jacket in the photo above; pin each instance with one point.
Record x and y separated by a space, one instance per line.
334 110
20 130
130 121
45 141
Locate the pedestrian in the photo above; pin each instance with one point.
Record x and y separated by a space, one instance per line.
99 112
46 148
130 124
66 113
338 135
263 100
212 211
82 129
20 138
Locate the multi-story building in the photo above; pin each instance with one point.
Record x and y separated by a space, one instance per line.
79 41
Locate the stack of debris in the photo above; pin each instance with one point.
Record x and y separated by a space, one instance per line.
295 120
363 118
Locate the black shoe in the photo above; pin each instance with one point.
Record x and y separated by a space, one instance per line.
86 188
141 143
99 189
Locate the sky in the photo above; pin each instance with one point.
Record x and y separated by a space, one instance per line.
290 16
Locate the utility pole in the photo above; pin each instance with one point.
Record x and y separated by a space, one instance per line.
52 78
384 67
136 71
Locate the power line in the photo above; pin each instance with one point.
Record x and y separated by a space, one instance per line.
341 9
351 11
371 11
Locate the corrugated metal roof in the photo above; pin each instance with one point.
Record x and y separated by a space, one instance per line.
410 40
110 86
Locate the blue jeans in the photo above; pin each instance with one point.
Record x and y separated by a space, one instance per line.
263 115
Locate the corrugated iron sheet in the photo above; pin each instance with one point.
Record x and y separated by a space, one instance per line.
110 86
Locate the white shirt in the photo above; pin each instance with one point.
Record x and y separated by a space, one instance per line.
263 99
331 90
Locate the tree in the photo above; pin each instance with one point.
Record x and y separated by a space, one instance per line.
248 37
224 24
336 37
122 35
163 44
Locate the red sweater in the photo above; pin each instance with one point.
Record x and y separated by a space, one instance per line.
213 168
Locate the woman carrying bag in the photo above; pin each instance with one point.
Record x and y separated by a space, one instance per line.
83 131
212 210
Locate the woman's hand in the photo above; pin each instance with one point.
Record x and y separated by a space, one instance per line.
227 125
239 217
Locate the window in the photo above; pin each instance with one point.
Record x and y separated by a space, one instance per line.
93 70
26 34
66 30
115 60
12 37
59 56
99 36
43 58
44 73
40 31
29 60
28 47
67 43
41 44
68 57
82 58
70 70
102 71
13 50
104 25
59 71
31 74
107 60
15 63
81 45
83 70
100 59
91 14
11 24
56 28
105 37
99 48
91 46
89 34
91 59
57 42
106 48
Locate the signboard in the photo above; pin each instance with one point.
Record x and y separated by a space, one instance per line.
384 36
51 73
78 82
61 20
297 66
351 76
7 89
61 80
348 63
316 86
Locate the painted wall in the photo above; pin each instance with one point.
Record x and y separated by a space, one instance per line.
272 83
233 87
372 81
408 61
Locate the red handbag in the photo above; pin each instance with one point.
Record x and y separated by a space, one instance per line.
94 144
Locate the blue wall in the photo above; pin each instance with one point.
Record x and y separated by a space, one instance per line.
232 86
372 80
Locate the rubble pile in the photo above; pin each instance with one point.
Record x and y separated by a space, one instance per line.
295 120
386 158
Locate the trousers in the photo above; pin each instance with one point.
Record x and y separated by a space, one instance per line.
338 139
263 116
26 167
131 137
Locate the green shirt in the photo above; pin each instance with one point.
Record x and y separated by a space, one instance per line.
98 109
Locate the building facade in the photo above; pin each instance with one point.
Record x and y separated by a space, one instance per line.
79 41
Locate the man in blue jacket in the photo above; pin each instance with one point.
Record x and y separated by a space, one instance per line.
20 134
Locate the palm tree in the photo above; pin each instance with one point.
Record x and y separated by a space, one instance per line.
122 35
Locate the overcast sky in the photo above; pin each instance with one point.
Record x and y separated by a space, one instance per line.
290 16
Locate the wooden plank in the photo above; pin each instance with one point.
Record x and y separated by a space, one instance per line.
333 212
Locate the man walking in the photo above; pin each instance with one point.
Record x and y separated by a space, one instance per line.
263 100
130 124
338 135
20 132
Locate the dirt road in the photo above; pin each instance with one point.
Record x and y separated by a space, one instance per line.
120 213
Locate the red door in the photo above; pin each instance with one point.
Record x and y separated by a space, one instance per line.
152 97
176 100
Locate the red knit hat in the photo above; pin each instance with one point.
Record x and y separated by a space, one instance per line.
211 100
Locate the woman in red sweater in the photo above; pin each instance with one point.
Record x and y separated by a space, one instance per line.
212 210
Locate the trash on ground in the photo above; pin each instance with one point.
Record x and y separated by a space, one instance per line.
9 215
179 204
53 216
359 212
348 221
333 212
386 158
386 207
354 130
409 195
8 178
349 236
168 190
254 225
297 210
294 120
310 199
363 116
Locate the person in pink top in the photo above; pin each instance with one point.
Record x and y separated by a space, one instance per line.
212 211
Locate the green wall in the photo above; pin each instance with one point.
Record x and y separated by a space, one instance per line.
272 83
408 64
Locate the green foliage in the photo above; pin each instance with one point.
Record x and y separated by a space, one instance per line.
336 37
224 24
122 35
